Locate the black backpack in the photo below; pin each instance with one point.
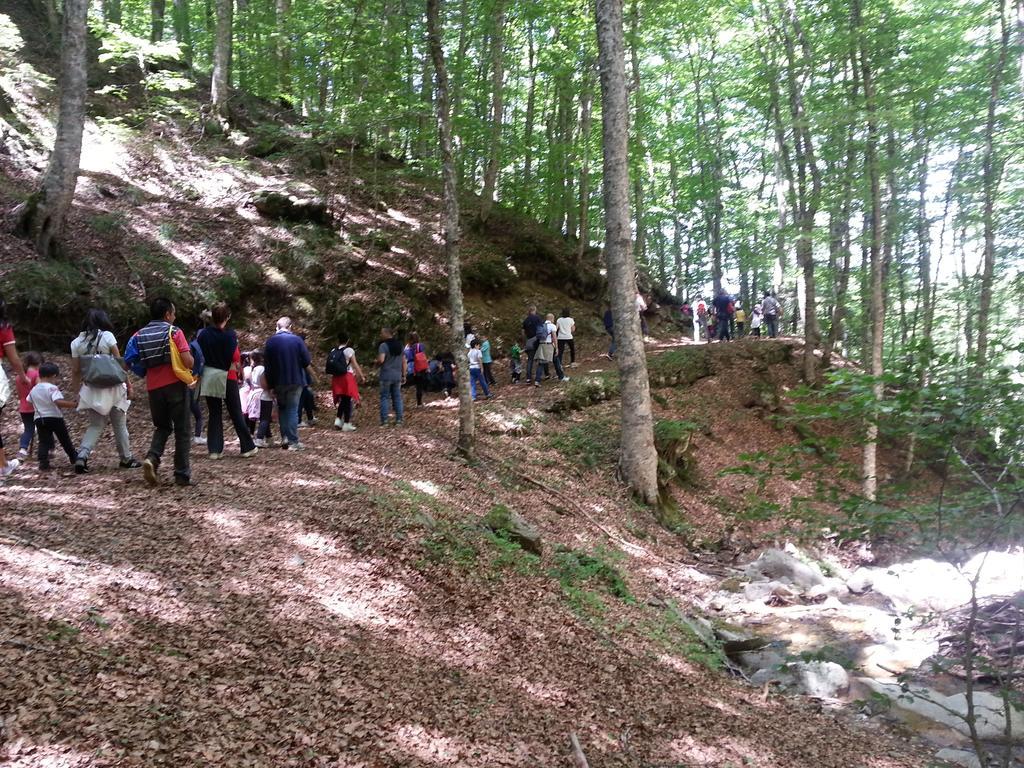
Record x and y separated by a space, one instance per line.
337 363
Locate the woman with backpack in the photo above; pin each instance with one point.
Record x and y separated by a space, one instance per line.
417 365
106 390
343 368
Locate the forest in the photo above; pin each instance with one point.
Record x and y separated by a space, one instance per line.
837 513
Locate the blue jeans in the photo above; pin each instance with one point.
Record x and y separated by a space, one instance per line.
773 325
391 395
477 375
723 329
288 411
611 345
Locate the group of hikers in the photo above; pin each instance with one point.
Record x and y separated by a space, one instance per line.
182 375
726 319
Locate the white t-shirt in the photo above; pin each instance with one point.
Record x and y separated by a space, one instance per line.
43 398
349 354
641 305
552 329
565 326
83 345
100 399
257 374
476 358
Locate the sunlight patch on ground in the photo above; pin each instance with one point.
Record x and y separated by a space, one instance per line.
20 752
54 588
317 542
426 487
408 220
431 745
49 496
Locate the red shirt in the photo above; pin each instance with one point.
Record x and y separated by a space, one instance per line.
163 375
24 406
6 337
235 360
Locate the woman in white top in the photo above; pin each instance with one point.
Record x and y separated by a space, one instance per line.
566 329
102 405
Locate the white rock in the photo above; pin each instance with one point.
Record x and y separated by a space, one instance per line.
959 757
823 679
861 580
950 711
922 585
777 565
1002 573
831 587
760 590
895 656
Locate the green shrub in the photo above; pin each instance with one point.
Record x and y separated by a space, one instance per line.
106 223
488 275
592 444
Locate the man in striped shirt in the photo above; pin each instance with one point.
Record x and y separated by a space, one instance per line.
150 350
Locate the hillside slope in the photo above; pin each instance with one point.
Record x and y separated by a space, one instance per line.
167 206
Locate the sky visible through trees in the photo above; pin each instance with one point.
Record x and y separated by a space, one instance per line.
752 133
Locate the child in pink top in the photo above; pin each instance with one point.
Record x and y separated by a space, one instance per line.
32 361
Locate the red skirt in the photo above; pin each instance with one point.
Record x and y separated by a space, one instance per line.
345 386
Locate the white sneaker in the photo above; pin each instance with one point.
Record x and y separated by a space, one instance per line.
304 424
339 424
198 441
250 454
348 428
216 456
564 378
260 442
296 447
22 454
12 465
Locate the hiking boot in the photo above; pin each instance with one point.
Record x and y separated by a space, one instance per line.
81 466
129 464
250 454
296 447
22 454
149 472
564 378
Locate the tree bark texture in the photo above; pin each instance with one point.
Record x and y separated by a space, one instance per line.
497 110
45 213
466 443
991 173
157 11
877 325
586 108
220 85
638 459
183 29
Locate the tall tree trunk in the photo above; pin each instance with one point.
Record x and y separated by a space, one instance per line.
531 106
42 217
112 11
992 170
638 143
497 111
467 439
587 100
870 464
157 11
638 459
220 83
283 9
183 29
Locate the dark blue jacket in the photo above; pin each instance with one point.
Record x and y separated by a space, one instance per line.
285 357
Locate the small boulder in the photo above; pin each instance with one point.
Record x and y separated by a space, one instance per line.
290 207
512 526
830 588
959 757
860 581
822 679
761 590
777 565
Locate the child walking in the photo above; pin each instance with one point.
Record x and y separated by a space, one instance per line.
488 361
343 367
261 403
32 361
515 362
476 371
48 401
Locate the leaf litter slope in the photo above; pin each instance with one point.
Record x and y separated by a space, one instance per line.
338 608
